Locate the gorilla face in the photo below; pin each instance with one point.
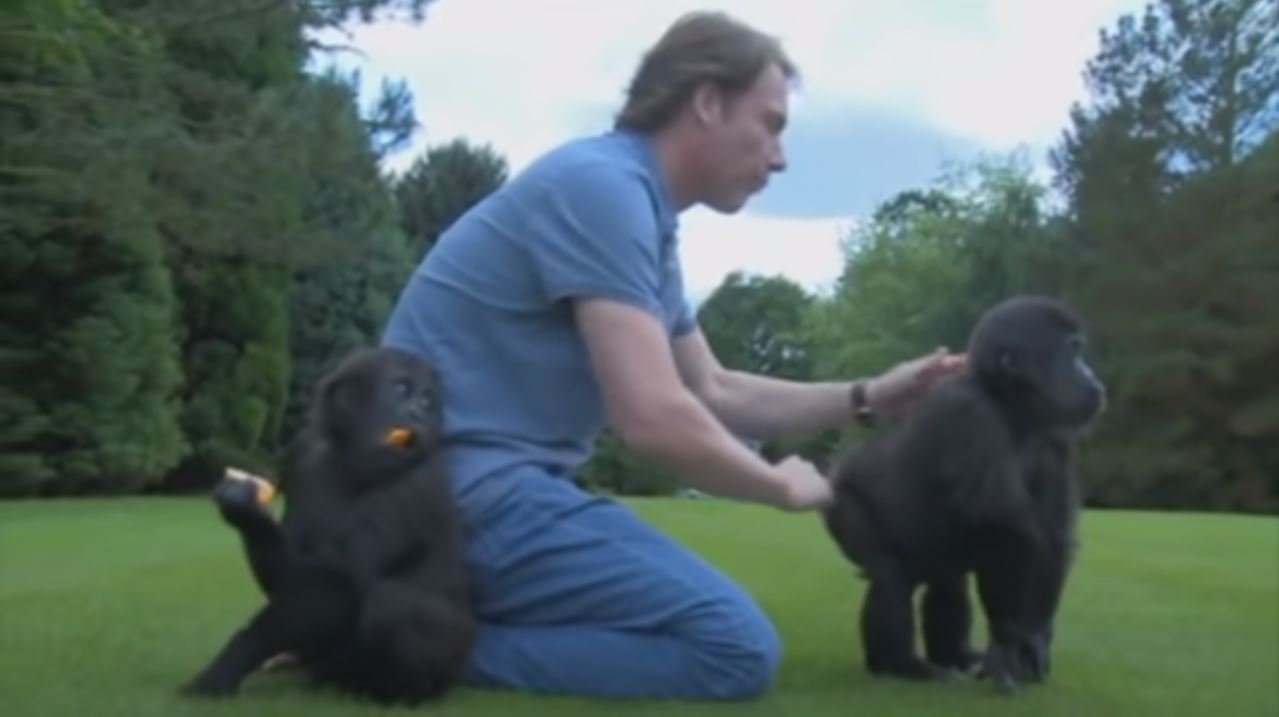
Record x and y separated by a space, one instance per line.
1030 352
383 410
1073 395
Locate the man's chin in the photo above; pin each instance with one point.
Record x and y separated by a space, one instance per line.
727 205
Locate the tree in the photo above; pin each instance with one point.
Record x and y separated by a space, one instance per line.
341 304
233 189
443 184
87 309
275 203
921 271
754 324
1191 87
182 191
1165 169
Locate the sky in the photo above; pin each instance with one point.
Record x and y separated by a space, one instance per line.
891 91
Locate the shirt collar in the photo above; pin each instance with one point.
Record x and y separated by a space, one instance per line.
667 216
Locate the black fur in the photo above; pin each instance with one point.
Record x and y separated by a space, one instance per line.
364 577
978 480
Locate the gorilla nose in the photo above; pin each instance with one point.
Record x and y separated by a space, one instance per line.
1093 405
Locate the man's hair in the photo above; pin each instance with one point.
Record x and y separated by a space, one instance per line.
698 47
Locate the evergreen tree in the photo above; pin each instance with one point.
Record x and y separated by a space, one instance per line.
341 303
442 184
87 353
1166 188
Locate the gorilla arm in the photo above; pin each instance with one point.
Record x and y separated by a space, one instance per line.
262 537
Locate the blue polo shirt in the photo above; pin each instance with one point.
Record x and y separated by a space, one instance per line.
489 305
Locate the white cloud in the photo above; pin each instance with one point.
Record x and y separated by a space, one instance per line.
1001 71
805 250
525 76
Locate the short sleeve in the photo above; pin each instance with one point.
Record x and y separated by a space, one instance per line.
685 320
597 235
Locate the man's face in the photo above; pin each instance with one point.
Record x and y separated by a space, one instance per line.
743 143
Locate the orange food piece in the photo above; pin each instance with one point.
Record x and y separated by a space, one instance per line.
399 436
265 490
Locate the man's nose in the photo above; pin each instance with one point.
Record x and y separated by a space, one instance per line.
779 158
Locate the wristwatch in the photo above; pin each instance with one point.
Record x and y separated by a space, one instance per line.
861 404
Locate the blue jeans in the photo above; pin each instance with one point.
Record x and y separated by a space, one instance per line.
577 595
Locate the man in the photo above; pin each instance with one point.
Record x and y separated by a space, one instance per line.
556 306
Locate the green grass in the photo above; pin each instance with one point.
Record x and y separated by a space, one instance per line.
106 606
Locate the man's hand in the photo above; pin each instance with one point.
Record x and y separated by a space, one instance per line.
896 391
807 487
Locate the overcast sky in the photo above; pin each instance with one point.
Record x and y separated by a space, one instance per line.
891 90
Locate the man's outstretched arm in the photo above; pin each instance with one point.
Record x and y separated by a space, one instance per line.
657 415
763 407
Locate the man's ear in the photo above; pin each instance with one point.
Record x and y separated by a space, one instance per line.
708 104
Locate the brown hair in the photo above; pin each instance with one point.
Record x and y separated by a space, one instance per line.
698 47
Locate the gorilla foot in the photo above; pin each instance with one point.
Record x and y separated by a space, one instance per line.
211 685
1002 666
912 668
968 661
1035 656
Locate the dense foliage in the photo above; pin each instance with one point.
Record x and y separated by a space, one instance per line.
193 227
196 223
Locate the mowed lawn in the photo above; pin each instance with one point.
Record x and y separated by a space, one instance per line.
107 605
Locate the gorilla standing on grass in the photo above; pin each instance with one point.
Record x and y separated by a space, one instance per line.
979 480
364 580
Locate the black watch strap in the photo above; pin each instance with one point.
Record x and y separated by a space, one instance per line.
861 404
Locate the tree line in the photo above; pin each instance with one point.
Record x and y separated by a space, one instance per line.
195 224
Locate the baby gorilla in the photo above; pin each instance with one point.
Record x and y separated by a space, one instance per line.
364 577
979 480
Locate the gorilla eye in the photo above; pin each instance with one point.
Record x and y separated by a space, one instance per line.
403 388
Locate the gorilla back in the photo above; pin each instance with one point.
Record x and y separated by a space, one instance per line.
977 480
364 577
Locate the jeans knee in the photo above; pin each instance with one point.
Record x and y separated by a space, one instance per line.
745 661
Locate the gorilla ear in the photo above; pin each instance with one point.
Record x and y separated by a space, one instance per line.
1008 362
342 404
341 397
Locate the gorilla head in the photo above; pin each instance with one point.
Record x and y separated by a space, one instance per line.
1028 353
381 410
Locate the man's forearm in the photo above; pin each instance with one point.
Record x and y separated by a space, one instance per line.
687 438
763 408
